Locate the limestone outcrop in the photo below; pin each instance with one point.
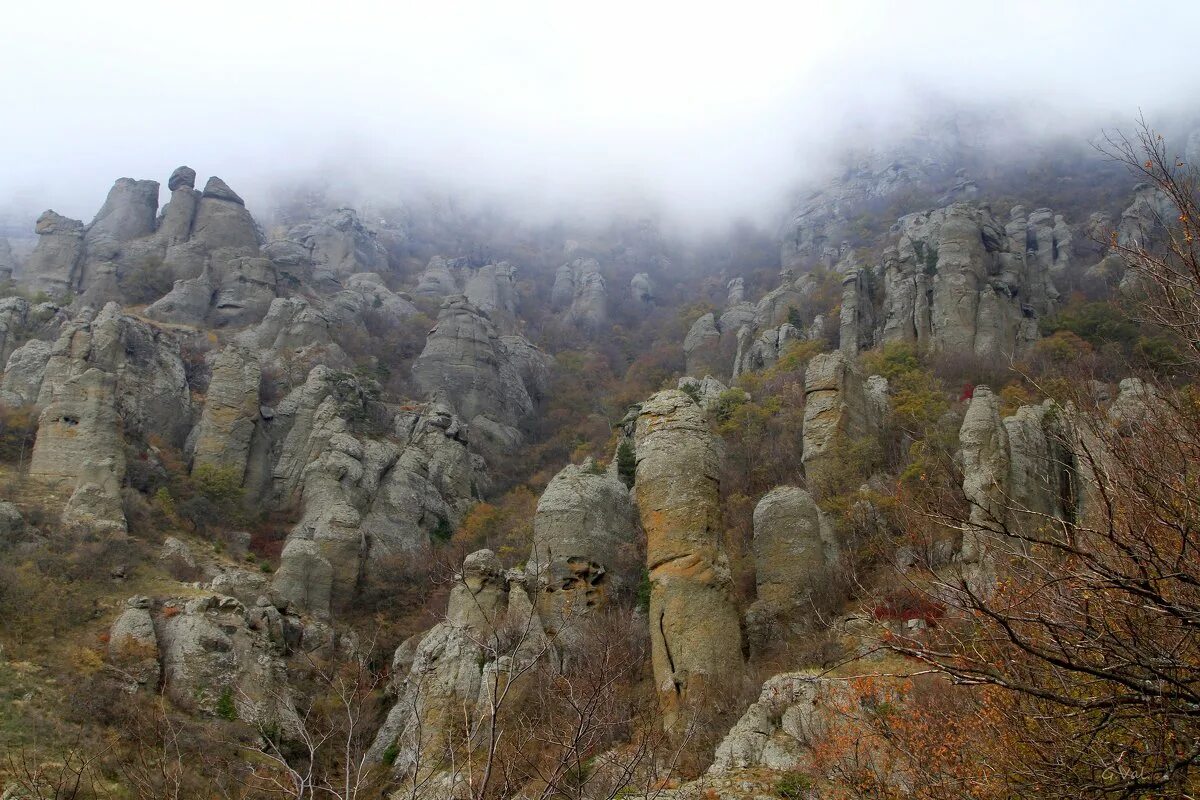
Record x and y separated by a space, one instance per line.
839 406
581 294
206 242
333 248
150 383
584 546
448 673
491 288
794 551
641 290
221 439
694 626
218 657
762 352
53 267
133 646
78 426
958 281
1019 474
363 499
466 363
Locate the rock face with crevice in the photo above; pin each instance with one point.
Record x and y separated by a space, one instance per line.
1019 475
364 497
694 627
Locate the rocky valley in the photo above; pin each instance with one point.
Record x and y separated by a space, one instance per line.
325 493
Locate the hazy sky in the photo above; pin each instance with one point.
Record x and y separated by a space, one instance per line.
713 108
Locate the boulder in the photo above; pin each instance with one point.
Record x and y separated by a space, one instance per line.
215 661
133 646
182 178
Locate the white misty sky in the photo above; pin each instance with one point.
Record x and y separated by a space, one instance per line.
711 108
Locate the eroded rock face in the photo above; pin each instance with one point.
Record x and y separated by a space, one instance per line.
8 262
78 426
214 653
465 362
1018 474
206 242
780 732
794 550
431 487
151 389
856 323
221 439
694 629
448 673
756 354
133 645
839 406
961 282
580 292
364 500
335 247
54 265
584 546
641 290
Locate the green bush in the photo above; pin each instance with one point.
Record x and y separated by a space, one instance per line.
793 786
626 463
643 592
225 708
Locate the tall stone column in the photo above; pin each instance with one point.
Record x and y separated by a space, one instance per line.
694 627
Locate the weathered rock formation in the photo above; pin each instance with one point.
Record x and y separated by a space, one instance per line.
794 551
960 282
1019 475
694 628
221 439
210 653
580 293
446 675
839 406
641 290
330 249
467 364
363 499
207 243
491 288
584 546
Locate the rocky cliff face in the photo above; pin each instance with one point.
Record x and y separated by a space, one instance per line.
466 363
364 498
840 405
1019 475
207 242
580 294
694 626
